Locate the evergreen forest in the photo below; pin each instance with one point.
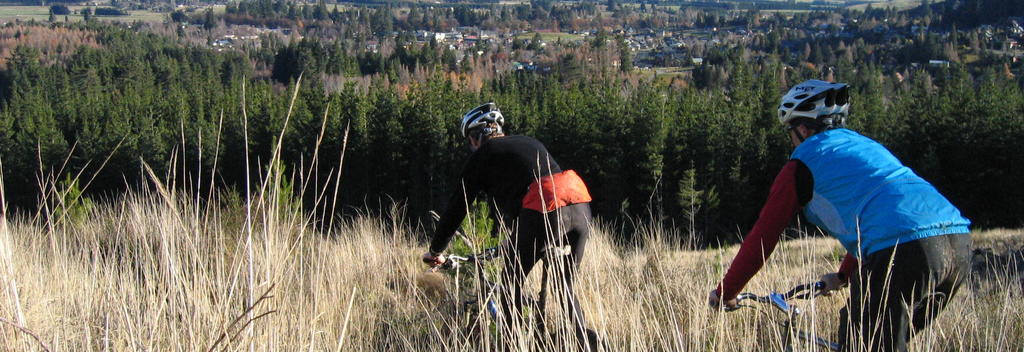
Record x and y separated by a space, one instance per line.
113 102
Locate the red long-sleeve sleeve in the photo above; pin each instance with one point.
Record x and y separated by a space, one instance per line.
778 211
848 266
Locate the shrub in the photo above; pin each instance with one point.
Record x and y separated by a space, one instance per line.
109 11
60 10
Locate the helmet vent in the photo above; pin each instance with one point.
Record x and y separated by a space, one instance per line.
843 96
808 106
788 105
801 96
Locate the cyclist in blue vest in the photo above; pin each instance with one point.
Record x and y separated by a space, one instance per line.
908 247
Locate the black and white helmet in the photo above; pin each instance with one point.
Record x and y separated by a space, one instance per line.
481 117
825 102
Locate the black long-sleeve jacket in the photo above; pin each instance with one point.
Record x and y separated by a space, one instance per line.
504 168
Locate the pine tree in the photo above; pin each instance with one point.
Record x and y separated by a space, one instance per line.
209 21
625 55
691 199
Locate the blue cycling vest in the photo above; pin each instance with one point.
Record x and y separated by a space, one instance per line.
867 199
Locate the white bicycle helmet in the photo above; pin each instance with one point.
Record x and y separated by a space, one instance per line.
828 103
481 117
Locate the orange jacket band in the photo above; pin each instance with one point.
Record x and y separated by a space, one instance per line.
556 191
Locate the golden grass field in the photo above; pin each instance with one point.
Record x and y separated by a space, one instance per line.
160 272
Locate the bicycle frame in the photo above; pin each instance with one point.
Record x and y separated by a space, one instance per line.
488 289
781 302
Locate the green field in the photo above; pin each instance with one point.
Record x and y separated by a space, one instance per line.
898 4
786 11
551 36
663 76
41 13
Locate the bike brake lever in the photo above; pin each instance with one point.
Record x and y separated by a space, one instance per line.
779 301
740 298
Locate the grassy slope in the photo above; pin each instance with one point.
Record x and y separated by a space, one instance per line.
147 273
41 13
897 4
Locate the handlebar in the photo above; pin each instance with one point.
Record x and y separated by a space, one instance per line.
806 291
455 261
781 300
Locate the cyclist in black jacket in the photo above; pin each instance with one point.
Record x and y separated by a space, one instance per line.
549 208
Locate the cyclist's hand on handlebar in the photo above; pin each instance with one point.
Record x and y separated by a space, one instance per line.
432 259
716 303
833 282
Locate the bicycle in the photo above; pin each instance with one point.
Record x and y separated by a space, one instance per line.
781 302
471 316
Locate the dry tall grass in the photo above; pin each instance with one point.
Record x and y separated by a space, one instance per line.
151 272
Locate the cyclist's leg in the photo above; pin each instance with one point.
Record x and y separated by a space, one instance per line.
876 317
951 259
902 289
520 254
576 219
